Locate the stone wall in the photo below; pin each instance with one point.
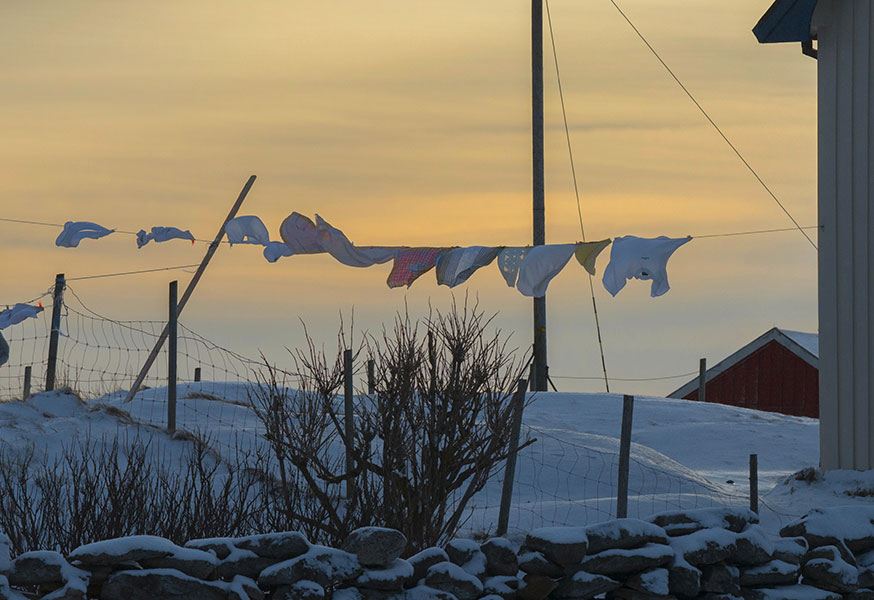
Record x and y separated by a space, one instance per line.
708 553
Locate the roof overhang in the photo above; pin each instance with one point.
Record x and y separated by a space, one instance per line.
786 21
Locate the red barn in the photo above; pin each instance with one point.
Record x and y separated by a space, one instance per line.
776 372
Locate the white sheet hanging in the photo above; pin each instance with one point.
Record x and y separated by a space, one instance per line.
76 231
276 250
300 235
640 258
247 229
540 266
18 313
334 242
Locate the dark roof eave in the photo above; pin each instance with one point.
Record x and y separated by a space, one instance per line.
786 21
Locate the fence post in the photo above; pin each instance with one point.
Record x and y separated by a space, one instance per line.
196 374
349 421
371 377
171 357
754 483
57 301
624 457
702 380
26 393
518 404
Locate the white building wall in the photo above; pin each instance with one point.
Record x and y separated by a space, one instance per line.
845 33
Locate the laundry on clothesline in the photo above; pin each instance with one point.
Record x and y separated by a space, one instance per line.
587 253
411 263
540 266
76 231
300 235
276 250
509 261
18 313
247 229
455 266
334 242
640 258
163 234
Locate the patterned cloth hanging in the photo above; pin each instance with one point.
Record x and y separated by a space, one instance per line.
455 266
411 263
509 261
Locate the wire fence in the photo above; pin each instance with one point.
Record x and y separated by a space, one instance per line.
562 478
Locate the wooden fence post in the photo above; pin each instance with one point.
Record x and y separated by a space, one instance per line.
754 483
171 357
196 374
371 377
518 403
57 302
702 380
624 457
26 394
349 421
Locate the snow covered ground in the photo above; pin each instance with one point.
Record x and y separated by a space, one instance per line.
684 454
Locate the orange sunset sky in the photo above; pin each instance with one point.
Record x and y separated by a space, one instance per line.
408 122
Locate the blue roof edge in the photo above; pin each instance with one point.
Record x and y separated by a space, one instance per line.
786 21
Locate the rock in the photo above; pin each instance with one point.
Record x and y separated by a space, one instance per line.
720 579
818 527
420 592
684 522
791 592
449 577
461 550
125 549
774 573
627 593
221 547
534 563
323 565
790 550
423 561
282 546
830 573
302 590
866 577
535 587
503 586
623 534
614 562
7 593
684 580
38 568
705 546
584 585
243 562
840 551
244 588
165 584
501 559
196 563
392 577
752 547
655 582
564 546
861 594
375 546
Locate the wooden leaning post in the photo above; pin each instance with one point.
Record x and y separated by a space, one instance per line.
624 457
518 405
26 393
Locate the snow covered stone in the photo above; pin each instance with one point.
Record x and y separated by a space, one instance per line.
721 579
124 549
244 588
752 547
776 572
654 581
420 592
7 593
221 547
790 592
705 546
684 522
500 556
536 587
302 590
191 562
534 563
828 570
831 553
501 585
167 584
790 549
853 525
323 565
620 561
40 567
584 585
684 580
375 546
423 561
623 534
462 550
564 546
282 546
392 577
243 562
449 577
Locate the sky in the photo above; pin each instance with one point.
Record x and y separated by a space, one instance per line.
408 123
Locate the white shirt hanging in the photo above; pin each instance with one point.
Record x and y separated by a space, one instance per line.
540 266
162 234
248 229
76 231
18 313
640 258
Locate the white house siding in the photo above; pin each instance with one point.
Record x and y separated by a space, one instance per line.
845 33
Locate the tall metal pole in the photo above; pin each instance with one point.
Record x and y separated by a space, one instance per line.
540 361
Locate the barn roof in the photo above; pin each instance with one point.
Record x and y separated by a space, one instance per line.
803 345
786 21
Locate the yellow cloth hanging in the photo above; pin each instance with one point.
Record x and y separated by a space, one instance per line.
587 253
